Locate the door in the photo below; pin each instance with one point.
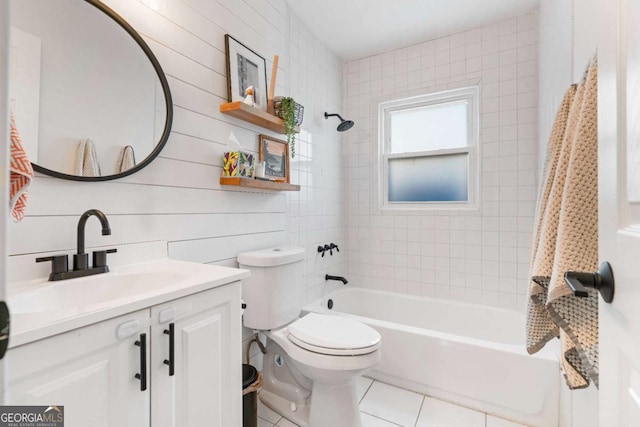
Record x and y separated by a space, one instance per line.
90 371
204 387
4 158
619 208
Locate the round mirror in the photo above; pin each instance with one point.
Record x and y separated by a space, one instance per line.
89 98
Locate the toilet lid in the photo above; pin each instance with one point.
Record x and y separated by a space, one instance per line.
335 335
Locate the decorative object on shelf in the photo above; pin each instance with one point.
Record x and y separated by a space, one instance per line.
249 100
275 154
260 170
272 84
245 68
292 115
238 164
344 124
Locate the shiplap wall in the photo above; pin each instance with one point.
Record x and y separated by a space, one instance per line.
177 198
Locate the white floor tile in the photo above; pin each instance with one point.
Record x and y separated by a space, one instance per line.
436 413
264 423
499 422
392 404
267 413
285 423
371 421
362 385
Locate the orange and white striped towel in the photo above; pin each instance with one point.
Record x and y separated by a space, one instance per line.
21 174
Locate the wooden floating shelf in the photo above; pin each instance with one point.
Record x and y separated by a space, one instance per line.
242 111
258 183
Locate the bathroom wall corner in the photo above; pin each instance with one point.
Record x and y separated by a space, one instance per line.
555 66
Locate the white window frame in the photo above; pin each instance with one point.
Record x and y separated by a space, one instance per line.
469 94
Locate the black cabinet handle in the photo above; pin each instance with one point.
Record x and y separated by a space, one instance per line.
142 376
172 349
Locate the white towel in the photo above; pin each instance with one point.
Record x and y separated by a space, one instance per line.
21 174
566 237
87 159
126 159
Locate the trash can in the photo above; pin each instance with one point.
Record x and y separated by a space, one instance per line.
251 381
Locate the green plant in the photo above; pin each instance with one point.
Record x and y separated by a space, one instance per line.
287 113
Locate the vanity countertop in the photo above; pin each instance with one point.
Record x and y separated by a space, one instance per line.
40 308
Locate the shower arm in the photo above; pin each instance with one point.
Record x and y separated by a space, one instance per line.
327 115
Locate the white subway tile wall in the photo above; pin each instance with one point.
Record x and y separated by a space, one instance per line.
477 256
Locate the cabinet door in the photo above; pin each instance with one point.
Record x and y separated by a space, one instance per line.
205 389
89 370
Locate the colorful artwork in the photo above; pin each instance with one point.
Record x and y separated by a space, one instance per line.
275 154
238 164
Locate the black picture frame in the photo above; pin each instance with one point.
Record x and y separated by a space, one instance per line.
245 68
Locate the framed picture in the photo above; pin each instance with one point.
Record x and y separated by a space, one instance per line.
245 68
275 154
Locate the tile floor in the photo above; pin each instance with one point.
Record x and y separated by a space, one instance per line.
382 405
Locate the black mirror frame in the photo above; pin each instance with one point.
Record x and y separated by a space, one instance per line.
168 104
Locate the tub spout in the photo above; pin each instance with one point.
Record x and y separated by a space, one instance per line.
340 278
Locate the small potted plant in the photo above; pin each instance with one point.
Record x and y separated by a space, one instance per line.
291 114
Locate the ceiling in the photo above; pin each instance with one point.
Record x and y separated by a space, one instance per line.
358 28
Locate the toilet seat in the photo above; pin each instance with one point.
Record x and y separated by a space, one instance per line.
333 335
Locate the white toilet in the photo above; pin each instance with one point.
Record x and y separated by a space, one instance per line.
312 362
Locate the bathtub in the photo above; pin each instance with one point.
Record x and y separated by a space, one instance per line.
467 354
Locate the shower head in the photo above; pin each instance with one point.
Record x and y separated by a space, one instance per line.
344 124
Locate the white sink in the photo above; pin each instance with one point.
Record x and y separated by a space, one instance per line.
92 291
42 299
40 308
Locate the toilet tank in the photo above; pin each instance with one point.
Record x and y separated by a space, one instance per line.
274 293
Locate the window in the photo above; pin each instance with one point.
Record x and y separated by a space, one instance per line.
429 150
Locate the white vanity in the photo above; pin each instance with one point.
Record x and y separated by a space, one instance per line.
152 344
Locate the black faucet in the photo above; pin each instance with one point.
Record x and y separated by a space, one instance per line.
81 259
340 278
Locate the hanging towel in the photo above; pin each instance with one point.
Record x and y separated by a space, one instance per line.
126 159
566 237
87 159
21 174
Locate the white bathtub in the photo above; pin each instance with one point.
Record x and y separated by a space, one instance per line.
468 354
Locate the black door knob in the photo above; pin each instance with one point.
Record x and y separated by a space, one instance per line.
602 280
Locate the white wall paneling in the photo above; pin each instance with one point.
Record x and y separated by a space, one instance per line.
177 199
